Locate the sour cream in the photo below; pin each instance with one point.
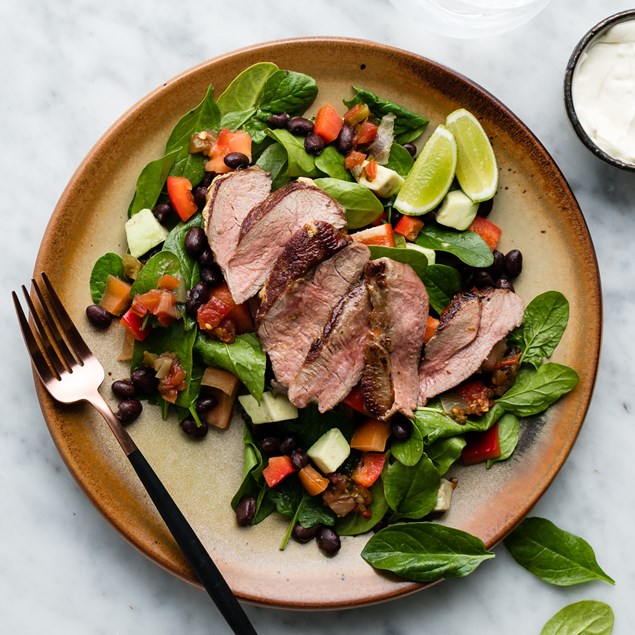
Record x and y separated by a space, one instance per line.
603 91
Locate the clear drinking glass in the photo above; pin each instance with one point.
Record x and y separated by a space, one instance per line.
470 18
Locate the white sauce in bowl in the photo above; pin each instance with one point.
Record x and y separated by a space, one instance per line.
603 91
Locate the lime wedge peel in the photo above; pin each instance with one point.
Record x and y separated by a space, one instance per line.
431 175
476 169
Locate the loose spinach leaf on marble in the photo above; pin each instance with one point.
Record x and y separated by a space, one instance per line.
408 125
469 247
442 284
424 551
244 358
400 160
331 162
244 93
150 183
109 264
299 161
544 322
535 390
417 260
175 244
508 433
160 264
411 491
355 524
588 617
362 206
552 554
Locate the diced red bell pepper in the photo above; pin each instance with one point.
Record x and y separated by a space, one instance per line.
357 114
226 143
371 170
382 236
409 227
353 159
180 193
355 400
212 313
365 133
160 303
134 324
368 471
481 446
489 232
328 123
239 314
278 468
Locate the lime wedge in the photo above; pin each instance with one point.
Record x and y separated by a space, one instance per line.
431 175
476 168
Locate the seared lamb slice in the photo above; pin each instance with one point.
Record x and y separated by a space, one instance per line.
268 228
308 247
500 312
390 381
335 360
297 317
229 199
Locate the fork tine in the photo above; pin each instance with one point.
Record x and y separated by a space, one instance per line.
39 361
75 339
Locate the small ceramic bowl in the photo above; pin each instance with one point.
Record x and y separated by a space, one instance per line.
589 38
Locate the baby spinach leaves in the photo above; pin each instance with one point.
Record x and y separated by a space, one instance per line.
465 245
175 244
355 524
331 162
245 91
109 264
299 161
362 206
274 160
150 183
412 257
424 551
159 265
442 284
508 433
588 617
411 491
400 160
288 91
552 554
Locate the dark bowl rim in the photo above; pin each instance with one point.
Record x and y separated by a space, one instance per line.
580 47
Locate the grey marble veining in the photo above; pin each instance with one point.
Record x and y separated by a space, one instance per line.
68 70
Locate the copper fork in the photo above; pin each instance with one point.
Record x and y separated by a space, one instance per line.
70 372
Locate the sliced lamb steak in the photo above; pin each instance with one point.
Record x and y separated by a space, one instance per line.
298 315
268 228
499 311
390 381
229 199
335 360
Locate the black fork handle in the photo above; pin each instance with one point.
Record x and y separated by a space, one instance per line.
197 556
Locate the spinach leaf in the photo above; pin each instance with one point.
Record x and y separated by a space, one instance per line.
411 491
545 320
331 162
109 264
354 524
588 617
175 244
425 551
508 432
244 93
287 496
150 183
408 125
288 91
299 161
442 283
313 512
412 257
465 245
205 116
159 265
445 452
274 161
535 390
311 424
362 206
410 451
400 160
552 554
436 424
244 358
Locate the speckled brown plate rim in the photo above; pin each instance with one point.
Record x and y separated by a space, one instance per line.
160 548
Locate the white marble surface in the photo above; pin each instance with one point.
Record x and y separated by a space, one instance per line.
68 70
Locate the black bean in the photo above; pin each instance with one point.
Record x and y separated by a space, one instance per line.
467 279
144 380
304 534
123 388
278 121
196 298
129 410
211 276
400 429
192 429
485 208
504 283
98 316
314 144
270 446
411 147
200 196
205 404
246 510
207 180
287 445
235 160
498 266
513 263
300 126
206 259
195 241
299 458
483 279
345 138
328 541
162 211
395 217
